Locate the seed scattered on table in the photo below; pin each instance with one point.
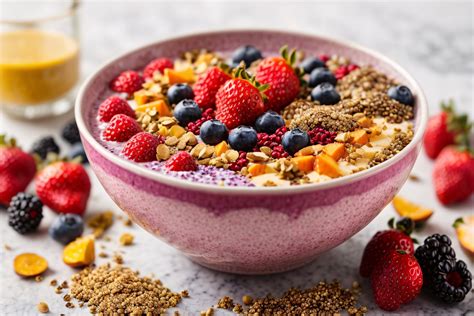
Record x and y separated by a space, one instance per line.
43 308
126 239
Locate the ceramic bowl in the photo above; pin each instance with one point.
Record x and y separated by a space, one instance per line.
239 229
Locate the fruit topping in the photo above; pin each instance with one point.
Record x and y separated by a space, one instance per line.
335 150
159 106
213 132
179 92
66 228
112 106
142 147
128 81
121 128
311 63
25 213
187 111
195 127
243 138
80 252
320 75
325 93
269 122
157 65
465 232
179 76
181 161
45 145
415 212
207 85
294 140
402 94
70 133
77 150
247 54
397 280
29 264
327 166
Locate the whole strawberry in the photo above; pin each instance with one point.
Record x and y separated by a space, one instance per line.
239 101
443 129
384 242
181 161
64 186
17 169
142 147
207 85
128 81
121 128
453 175
396 281
157 65
282 79
114 105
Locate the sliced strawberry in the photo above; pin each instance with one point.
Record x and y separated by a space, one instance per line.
157 65
128 81
114 105
207 85
142 147
181 161
121 128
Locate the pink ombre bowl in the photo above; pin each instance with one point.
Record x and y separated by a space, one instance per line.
241 229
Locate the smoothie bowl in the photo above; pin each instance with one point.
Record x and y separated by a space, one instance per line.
248 162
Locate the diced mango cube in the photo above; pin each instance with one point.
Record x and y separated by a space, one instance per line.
364 122
160 106
256 169
179 76
335 150
359 137
177 131
221 148
326 165
304 163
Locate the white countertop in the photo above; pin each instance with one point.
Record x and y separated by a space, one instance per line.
430 41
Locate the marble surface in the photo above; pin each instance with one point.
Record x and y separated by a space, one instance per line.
433 41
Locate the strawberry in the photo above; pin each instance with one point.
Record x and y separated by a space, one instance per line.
121 128
453 175
207 85
114 105
64 186
444 129
383 242
128 81
239 100
397 280
283 80
17 169
159 64
181 161
142 147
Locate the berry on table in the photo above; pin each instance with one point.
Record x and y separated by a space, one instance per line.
121 128
213 132
142 147
243 138
25 213
247 53
320 75
402 94
269 122
311 63
187 111
295 140
45 145
207 85
77 150
70 133
181 161
66 228
326 94
112 106
157 65
179 92
128 81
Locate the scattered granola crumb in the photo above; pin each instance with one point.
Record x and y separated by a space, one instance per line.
58 290
7 247
53 282
43 307
39 278
127 222
118 258
126 239
101 222
176 313
70 305
225 303
414 177
103 255
64 285
237 309
185 293
67 298
247 300
209 312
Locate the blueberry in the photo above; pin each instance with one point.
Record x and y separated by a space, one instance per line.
187 111
294 140
66 228
320 75
179 92
77 150
248 54
269 122
311 63
243 138
70 133
325 93
402 94
213 132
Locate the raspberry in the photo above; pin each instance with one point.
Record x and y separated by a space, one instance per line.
121 128
159 64
142 147
240 162
195 127
321 136
181 161
128 81
114 105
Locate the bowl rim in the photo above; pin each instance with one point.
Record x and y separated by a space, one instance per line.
241 190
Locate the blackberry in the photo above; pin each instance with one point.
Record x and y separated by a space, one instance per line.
43 146
70 133
25 213
448 279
